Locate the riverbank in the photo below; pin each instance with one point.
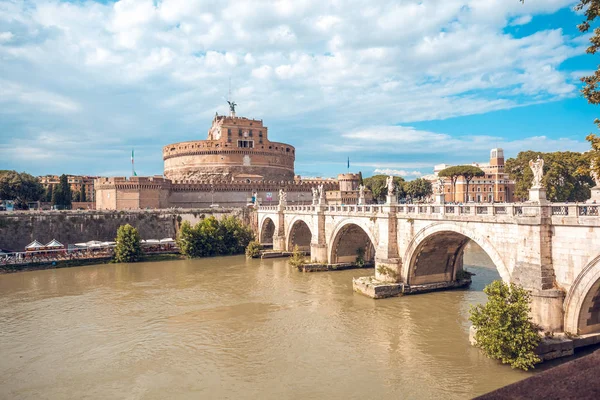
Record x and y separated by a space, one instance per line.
11 268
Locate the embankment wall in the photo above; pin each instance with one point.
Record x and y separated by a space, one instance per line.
18 229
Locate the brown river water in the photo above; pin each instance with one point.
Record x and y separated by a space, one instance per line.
232 328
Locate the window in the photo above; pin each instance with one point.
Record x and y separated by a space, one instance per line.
246 143
228 131
259 133
250 134
240 132
260 141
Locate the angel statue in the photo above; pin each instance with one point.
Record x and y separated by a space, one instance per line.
537 167
282 196
440 186
321 192
232 106
315 195
361 191
594 174
391 187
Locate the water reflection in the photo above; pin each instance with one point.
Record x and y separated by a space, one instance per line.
234 328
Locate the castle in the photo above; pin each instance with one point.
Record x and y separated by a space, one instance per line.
235 166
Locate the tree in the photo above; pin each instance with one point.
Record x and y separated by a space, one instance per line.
210 237
468 172
128 248
76 196
418 188
82 194
48 194
504 330
377 184
566 175
253 249
453 173
20 187
360 178
61 197
297 259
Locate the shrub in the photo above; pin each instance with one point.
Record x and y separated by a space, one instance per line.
297 259
504 330
360 256
128 248
210 237
253 249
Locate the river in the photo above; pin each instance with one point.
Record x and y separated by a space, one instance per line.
228 327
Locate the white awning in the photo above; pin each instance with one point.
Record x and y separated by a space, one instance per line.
54 243
167 240
151 241
34 245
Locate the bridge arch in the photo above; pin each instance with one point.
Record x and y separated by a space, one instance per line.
348 236
582 304
266 230
436 250
299 234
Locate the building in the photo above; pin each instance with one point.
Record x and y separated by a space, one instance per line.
237 149
494 186
235 165
75 182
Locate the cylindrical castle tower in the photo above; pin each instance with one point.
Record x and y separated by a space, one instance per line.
237 149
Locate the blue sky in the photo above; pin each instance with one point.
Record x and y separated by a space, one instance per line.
397 86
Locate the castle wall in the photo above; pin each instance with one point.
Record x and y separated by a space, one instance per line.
19 229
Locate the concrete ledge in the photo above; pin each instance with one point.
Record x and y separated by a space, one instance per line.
557 346
279 254
375 289
331 267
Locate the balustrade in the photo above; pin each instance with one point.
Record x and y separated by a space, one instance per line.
481 210
589 211
500 210
560 210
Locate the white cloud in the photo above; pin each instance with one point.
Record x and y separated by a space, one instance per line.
158 70
398 172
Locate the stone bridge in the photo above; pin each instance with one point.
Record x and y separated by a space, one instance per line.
551 249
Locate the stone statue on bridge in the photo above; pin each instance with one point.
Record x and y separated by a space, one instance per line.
391 186
282 197
537 167
315 195
440 186
361 194
321 190
594 174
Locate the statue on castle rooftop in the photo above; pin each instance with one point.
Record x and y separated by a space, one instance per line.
232 106
537 167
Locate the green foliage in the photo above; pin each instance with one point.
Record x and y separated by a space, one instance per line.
20 187
210 237
566 175
82 194
128 248
297 259
360 256
253 249
418 188
377 184
61 196
504 330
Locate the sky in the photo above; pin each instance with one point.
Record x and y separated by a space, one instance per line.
395 86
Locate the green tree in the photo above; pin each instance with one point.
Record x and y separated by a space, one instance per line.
210 237
82 194
453 173
61 197
253 249
360 178
418 188
76 196
377 184
297 259
20 187
468 172
48 194
504 330
128 248
566 175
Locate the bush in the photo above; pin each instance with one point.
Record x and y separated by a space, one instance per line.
297 259
128 248
253 249
504 330
360 256
210 237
